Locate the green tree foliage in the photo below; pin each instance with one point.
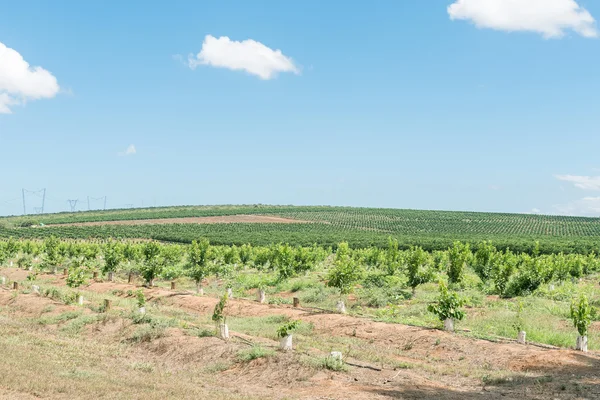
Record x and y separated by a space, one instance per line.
78 273
113 256
288 328
152 265
581 314
483 260
231 255
12 247
219 314
346 272
418 270
392 256
198 267
140 298
52 257
283 260
519 323
246 254
448 305
458 256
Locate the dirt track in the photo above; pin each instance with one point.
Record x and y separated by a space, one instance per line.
443 366
225 219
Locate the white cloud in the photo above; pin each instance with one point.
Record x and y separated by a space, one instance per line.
536 211
582 182
19 82
248 55
550 18
585 207
129 151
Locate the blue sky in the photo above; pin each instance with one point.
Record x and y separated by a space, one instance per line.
443 104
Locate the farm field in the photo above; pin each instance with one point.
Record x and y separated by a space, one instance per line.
360 227
392 342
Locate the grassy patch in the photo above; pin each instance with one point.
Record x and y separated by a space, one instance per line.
253 353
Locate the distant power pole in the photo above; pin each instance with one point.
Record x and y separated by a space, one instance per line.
43 200
36 193
96 199
73 204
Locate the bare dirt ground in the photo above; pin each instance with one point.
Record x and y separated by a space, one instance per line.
225 219
439 365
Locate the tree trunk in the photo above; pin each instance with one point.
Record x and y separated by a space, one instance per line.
224 331
111 276
582 343
521 337
286 343
130 278
449 325
2 280
80 300
341 307
230 293
261 296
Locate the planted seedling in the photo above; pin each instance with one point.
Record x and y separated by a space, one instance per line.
141 301
448 307
220 317
519 324
581 314
285 333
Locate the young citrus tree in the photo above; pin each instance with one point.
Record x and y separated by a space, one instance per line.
483 260
284 332
458 255
113 255
152 265
345 274
418 269
392 256
448 307
198 267
581 314
220 316
52 257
